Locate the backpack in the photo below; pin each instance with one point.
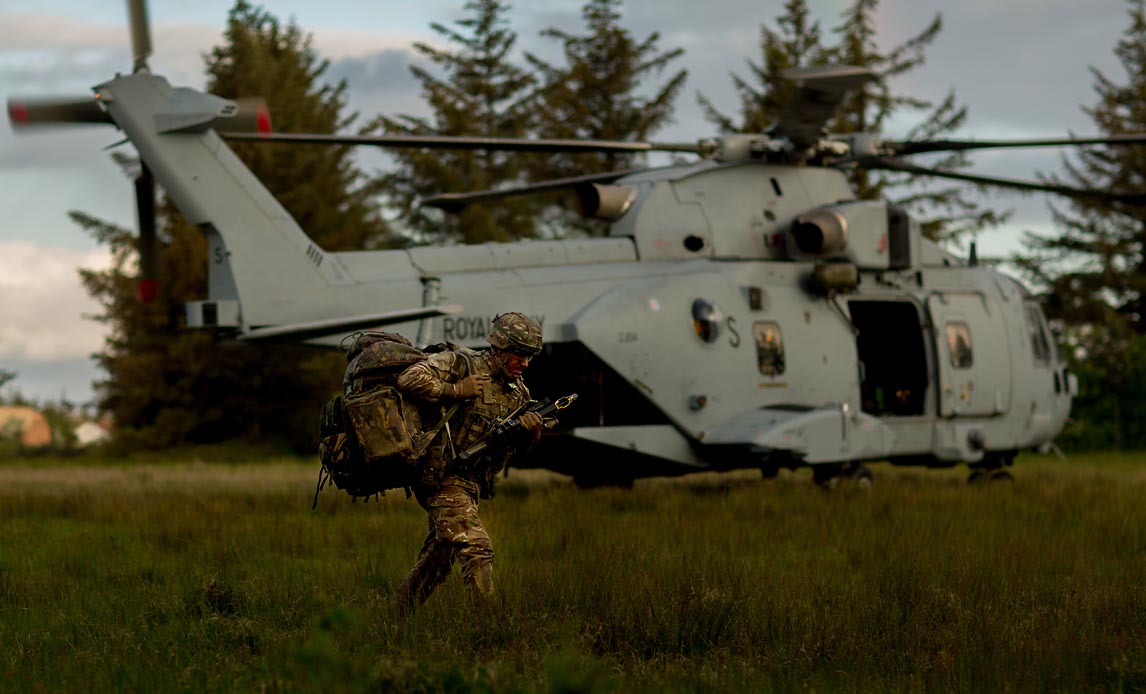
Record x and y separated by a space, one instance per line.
371 437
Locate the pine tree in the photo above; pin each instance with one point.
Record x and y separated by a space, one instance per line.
1096 266
797 44
1094 269
477 90
946 212
168 385
597 93
321 188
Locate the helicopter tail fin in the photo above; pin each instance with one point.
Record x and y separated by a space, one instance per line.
257 252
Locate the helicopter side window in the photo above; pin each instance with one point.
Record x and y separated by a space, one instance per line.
769 348
959 345
1039 344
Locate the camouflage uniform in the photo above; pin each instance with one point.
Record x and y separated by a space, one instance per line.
449 494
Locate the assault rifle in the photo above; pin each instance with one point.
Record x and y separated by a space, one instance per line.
510 428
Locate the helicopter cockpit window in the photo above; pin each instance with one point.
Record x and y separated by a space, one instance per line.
769 348
706 319
1039 344
959 345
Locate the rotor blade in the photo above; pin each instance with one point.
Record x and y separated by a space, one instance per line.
456 202
148 241
335 326
23 113
895 165
904 148
501 144
140 34
252 116
819 92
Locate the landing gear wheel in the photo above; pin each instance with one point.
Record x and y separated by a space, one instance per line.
992 468
1001 476
829 476
769 472
826 476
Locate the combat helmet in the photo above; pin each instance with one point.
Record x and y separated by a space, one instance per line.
516 332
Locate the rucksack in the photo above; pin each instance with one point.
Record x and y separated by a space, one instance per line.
371 437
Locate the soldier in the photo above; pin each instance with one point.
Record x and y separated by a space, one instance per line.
487 389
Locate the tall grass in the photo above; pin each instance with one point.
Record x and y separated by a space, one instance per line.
206 577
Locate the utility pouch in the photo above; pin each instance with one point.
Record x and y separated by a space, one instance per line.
385 426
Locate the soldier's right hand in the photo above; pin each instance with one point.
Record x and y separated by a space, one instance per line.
471 386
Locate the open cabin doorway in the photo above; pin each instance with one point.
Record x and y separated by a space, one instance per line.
892 357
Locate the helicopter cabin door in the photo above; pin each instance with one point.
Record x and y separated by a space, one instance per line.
973 358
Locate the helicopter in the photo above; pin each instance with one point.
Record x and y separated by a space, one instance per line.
745 310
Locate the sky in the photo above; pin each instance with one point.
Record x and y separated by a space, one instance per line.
1023 68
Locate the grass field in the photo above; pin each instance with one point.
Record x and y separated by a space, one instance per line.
219 577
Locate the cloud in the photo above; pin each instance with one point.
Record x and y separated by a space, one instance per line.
44 313
380 83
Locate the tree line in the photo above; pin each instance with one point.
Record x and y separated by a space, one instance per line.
167 385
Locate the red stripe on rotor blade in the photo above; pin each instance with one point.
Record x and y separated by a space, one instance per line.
18 112
147 290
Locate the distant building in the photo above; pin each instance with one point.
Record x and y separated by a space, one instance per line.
33 427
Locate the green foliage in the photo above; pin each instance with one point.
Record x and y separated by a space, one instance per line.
763 95
597 95
11 436
1094 269
216 578
321 187
475 89
168 385
1111 369
945 212
61 415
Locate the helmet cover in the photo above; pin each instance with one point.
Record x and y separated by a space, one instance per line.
516 332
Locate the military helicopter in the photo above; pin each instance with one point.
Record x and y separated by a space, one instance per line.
744 311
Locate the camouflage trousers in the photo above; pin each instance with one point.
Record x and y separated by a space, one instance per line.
456 534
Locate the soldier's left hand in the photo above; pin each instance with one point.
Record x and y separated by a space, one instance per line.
531 422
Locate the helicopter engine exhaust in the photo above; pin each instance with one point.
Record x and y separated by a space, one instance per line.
597 201
823 232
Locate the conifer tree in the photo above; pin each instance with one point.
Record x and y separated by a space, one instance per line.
1096 265
598 92
168 385
1094 268
322 188
474 89
796 44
